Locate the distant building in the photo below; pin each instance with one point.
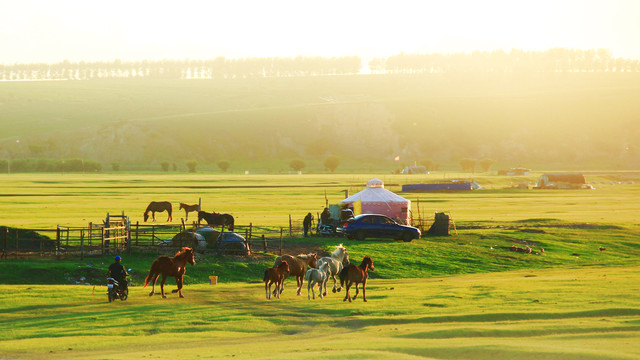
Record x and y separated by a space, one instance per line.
562 181
453 185
515 171
415 170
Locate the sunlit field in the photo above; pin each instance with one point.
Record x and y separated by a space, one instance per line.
589 313
465 296
47 200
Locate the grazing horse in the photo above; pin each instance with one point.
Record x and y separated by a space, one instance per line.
298 267
274 276
215 218
158 206
170 266
317 276
189 208
337 261
356 274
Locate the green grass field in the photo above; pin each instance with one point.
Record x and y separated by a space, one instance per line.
588 313
465 296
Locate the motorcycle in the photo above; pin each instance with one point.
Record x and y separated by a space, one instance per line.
116 290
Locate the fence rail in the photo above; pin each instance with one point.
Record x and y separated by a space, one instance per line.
98 240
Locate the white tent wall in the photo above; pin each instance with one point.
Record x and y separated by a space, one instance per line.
375 199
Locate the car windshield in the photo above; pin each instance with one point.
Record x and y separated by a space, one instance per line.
388 221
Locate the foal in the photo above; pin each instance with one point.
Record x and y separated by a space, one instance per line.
356 274
275 276
319 276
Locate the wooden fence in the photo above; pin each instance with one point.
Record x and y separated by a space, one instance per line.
118 238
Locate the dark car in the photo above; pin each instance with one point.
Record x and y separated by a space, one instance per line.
230 243
378 226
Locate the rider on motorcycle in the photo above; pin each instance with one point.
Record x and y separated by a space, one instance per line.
119 273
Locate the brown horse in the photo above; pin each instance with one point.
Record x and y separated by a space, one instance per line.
170 266
298 267
275 276
189 208
356 274
158 206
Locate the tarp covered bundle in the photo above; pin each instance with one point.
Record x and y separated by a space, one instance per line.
375 199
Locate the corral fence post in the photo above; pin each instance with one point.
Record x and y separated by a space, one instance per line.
4 242
90 232
137 231
102 245
17 241
264 242
129 240
81 244
281 241
58 242
290 226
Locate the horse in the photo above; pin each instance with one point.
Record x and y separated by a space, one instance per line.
170 266
217 219
298 267
337 261
317 276
158 206
189 208
356 274
274 276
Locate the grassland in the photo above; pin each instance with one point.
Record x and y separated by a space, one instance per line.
466 296
530 314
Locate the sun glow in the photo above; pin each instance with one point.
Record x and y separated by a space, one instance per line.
80 30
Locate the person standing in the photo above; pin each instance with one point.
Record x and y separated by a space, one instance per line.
308 220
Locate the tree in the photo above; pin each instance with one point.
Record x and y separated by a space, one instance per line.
331 163
468 165
115 166
191 165
486 164
297 164
165 166
224 165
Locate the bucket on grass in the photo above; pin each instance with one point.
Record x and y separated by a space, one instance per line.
213 280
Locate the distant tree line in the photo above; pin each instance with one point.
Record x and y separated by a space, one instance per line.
552 60
49 165
218 68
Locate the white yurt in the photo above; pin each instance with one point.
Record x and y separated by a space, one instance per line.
375 199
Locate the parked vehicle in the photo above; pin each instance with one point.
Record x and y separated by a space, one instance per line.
230 243
116 290
378 226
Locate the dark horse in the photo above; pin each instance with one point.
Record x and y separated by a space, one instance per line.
170 266
356 274
215 218
297 267
158 206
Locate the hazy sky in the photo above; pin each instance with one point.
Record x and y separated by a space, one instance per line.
51 31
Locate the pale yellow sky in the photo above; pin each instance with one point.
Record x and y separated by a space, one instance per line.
50 31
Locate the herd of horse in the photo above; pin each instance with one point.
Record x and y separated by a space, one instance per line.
304 267
212 218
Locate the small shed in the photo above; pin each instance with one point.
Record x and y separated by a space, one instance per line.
375 199
415 170
562 181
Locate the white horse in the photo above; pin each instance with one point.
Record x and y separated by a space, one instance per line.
338 259
317 276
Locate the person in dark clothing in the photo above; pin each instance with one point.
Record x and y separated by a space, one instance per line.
308 220
118 272
325 216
